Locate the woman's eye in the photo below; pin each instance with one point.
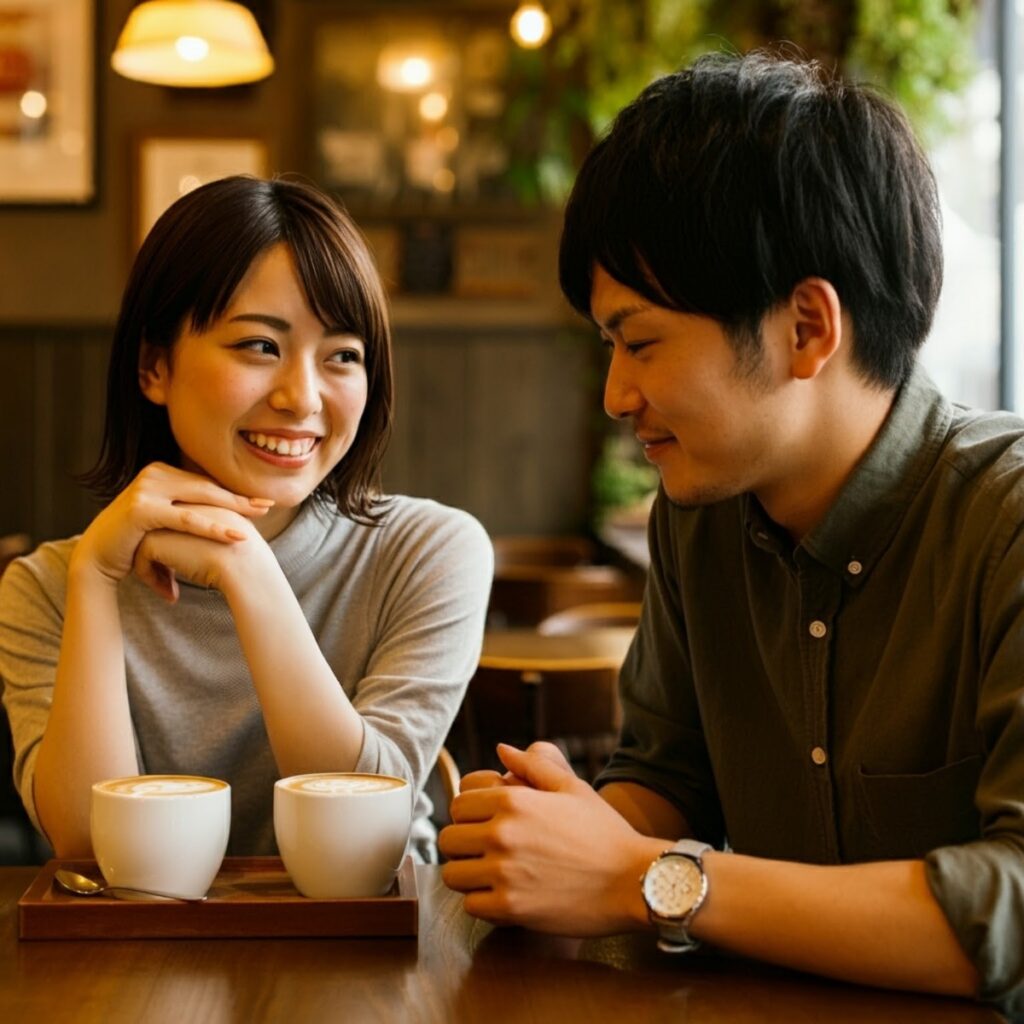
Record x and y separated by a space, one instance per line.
347 355
259 345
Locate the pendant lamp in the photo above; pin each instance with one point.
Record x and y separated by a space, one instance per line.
192 44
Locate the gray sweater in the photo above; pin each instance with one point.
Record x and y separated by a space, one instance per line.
398 611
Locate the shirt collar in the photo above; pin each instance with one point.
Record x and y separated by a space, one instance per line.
861 522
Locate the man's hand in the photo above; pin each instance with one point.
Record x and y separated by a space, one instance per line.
548 852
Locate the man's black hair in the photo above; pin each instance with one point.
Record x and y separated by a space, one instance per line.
722 186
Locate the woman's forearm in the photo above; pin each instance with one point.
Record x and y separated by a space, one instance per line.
88 734
311 723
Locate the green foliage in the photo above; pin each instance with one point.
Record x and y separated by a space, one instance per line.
918 50
618 479
604 52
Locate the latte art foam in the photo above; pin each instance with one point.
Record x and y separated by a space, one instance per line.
163 785
331 785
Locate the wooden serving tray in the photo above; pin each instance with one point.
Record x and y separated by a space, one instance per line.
251 897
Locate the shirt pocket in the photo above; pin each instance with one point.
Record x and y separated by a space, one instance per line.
906 816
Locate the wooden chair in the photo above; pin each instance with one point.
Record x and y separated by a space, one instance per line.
526 595
19 843
13 546
442 786
448 772
531 686
581 617
515 550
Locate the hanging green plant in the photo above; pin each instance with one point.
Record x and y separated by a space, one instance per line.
604 52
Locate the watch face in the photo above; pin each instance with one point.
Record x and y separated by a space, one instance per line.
673 886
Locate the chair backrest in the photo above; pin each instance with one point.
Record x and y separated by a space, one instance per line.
582 617
526 595
448 772
13 546
542 551
522 705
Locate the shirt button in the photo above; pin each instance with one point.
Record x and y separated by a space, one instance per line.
818 755
817 629
854 568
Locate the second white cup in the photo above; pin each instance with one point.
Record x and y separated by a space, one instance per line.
342 834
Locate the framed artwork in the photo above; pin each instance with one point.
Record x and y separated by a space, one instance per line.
47 101
496 263
169 166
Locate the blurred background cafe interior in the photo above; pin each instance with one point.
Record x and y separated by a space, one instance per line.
452 131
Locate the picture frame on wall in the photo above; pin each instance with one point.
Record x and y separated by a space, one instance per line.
497 262
169 166
47 102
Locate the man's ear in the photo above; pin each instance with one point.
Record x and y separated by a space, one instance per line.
154 372
817 326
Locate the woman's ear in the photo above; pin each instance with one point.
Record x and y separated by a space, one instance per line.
817 326
154 372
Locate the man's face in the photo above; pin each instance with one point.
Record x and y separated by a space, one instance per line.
708 420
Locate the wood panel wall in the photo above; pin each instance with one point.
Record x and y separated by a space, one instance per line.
499 422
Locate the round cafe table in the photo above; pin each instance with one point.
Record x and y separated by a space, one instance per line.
526 650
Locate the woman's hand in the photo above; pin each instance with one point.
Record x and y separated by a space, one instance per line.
162 498
164 556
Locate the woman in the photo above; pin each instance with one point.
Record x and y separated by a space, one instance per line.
247 606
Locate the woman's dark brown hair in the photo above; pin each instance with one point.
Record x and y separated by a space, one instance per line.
188 270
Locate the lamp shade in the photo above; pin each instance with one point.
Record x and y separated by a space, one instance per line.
192 43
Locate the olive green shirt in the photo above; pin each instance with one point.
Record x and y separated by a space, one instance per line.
859 696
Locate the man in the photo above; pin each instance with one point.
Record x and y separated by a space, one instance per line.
827 678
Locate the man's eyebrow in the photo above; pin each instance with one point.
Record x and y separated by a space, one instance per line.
283 325
614 322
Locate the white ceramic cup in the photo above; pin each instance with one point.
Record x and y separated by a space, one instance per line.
165 833
342 834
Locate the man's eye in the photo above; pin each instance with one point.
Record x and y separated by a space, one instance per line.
633 347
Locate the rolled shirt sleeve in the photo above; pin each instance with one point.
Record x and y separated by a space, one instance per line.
980 884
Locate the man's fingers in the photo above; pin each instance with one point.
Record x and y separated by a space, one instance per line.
467 875
485 779
549 750
463 840
538 768
478 804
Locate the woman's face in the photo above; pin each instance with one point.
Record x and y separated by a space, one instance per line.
267 400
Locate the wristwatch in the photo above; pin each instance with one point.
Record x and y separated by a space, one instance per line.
674 887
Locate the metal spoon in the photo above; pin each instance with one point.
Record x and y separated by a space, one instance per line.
80 885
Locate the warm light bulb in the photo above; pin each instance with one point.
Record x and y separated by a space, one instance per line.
33 104
531 26
192 48
443 179
433 106
415 72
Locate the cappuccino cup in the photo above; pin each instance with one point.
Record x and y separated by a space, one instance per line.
164 833
342 834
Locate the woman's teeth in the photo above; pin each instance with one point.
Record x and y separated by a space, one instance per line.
281 445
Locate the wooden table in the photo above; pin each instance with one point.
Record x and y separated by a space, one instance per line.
460 970
529 651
